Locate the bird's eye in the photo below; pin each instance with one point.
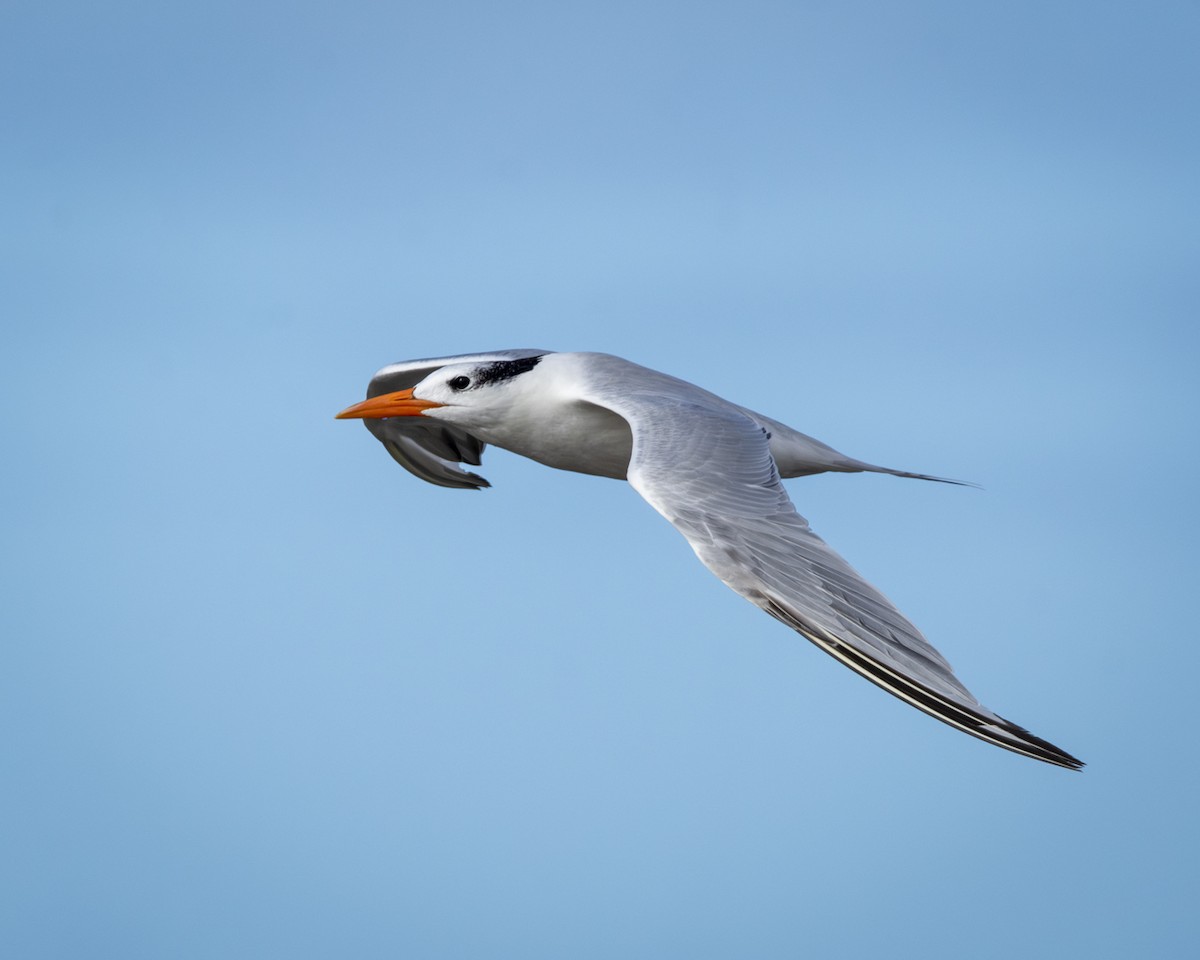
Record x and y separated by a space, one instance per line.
460 383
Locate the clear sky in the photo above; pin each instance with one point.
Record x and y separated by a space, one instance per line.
266 695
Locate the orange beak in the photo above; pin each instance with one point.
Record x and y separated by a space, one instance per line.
400 404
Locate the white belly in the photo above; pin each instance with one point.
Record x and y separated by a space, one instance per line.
580 437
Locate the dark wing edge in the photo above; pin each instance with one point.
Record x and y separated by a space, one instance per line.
992 728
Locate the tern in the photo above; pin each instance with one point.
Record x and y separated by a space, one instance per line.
711 467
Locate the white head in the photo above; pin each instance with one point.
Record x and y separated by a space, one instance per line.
470 394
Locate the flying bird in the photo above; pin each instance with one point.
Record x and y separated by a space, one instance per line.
711 467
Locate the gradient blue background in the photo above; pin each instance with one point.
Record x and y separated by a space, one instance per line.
265 695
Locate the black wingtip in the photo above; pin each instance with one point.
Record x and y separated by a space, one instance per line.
925 476
1042 749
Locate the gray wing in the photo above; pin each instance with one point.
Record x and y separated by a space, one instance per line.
426 448
710 472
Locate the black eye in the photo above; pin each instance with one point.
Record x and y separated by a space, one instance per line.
460 383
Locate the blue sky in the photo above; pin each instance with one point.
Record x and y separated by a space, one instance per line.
265 694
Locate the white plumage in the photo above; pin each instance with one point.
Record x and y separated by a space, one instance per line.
710 467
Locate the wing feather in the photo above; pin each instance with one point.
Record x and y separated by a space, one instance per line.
709 470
